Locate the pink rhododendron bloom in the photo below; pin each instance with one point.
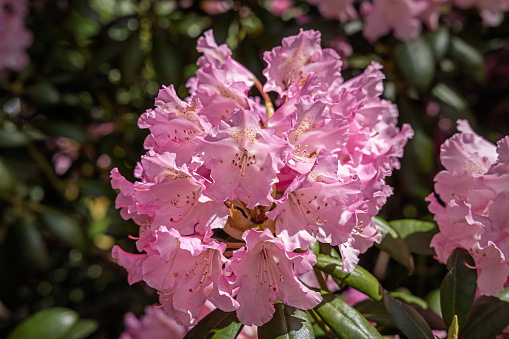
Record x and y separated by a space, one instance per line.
342 10
153 324
265 272
474 187
231 193
492 11
403 17
14 37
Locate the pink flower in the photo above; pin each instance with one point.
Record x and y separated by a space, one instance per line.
153 324
244 160
491 11
265 272
229 189
14 37
474 189
342 10
296 59
401 16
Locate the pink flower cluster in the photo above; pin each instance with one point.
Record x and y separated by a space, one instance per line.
475 189
14 37
405 17
232 192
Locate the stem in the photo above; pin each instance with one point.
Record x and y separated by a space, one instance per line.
321 281
321 324
265 96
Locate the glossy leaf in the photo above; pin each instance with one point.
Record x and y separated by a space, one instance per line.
416 63
410 298
457 291
488 317
82 329
50 323
32 253
406 227
408 320
374 311
64 227
344 320
439 42
470 59
359 278
216 325
394 245
287 323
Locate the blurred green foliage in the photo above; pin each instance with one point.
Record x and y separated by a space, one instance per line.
96 65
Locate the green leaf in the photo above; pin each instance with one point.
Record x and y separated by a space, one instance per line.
359 278
416 62
32 253
408 320
394 245
488 317
406 227
449 96
410 298
439 42
64 227
470 59
12 138
217 325
7 176
51 323
82 329
457 291
132 58
287 323
165 57
344 320
374 311
453 329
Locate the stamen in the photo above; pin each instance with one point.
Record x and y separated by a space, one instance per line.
306 212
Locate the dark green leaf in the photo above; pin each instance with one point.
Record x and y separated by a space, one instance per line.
64 227
394 245
470 59
7 177
457 291
439 42
374 311
12 138
44 93
165 56
32 253
416 63
359 278
132 58
406 227
410 298
408 320
217 325
50 323
447 95
488 317
287 323
344 320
